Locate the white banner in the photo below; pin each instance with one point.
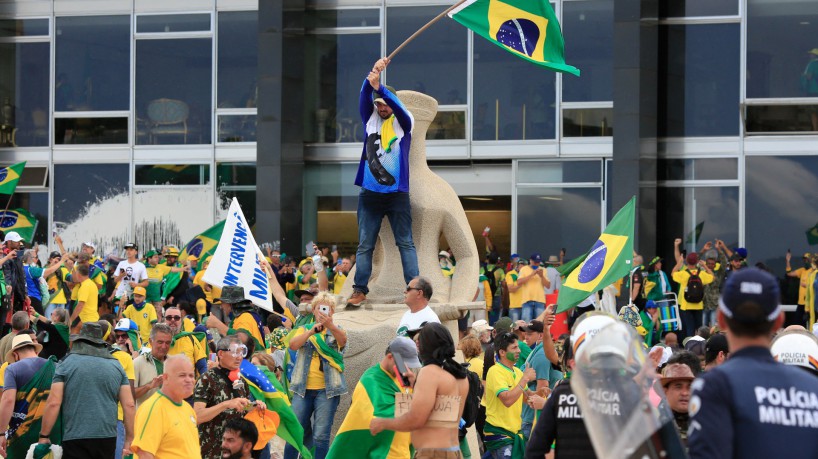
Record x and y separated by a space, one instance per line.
236 260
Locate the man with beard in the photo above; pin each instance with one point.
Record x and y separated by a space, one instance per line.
165 424
187 343
239 437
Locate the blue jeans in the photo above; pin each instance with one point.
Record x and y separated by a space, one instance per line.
515 314
503 452
526 429
709 317
691 321
532 310
372 207
120 439
315 402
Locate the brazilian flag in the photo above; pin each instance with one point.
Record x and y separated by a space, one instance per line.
526 28
19 220
812 235
203 245
9 176
374 396
609 260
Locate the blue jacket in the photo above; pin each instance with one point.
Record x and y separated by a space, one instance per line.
384 168
753 406
335 382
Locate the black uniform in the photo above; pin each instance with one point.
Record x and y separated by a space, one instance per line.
560 420
753 406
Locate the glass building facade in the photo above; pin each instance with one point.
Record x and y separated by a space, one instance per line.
140 119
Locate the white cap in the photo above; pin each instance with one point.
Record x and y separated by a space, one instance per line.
796 347
90 244
480 326
443 253
12 236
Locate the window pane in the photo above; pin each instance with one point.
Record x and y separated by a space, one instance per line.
173 91
238 59
692 8
588 31
182 215
587 122
698 169
504 101
24 69
447 125
780 207
336 68
173 23
23 27
37 205
172 174
435 62
90 130
370 17
782 118
779 36
696 215
247 199
93 63
699 80
235 174
92 203
558 172
237 128
549 219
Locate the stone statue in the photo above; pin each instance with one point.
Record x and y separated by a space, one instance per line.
436 210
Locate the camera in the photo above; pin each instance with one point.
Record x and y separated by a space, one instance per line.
323 309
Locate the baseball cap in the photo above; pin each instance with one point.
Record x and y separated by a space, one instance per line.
407 349
12 236
514 255
655 260
139 290
90 244
715 344
650 304
481 326
535 257
796 347
692 258
126 325
750 285
151 253
54 254
742 252
534 326
130 245
503 324
443 254
192 258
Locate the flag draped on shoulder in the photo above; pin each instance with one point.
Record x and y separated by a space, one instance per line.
333 357
236 260
9 176
526 28
609 259
29 408
264 386
374 396
21 221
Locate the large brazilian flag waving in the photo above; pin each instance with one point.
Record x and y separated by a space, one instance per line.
526 28
19 220
9 176
204 244
608 260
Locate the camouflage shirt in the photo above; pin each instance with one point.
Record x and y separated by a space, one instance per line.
213 388
713 289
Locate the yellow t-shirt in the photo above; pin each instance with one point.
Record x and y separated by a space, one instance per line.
3 374
144 318
155 276
245 321
89 294
803 276
127 364
188 325
532 290
338 282
315 378
681 277
166 429
500 379
59 294
215 292
476 365
514 298
190 347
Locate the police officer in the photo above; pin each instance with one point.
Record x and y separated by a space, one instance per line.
753 406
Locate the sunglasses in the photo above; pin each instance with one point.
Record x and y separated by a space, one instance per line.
409 289
173 317
121 335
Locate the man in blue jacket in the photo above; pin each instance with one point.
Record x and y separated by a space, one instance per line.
383 175
753 406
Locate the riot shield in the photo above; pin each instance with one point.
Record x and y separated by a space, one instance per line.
614 382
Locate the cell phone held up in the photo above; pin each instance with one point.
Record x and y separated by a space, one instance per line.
400 367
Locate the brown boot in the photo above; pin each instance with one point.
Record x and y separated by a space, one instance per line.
356 299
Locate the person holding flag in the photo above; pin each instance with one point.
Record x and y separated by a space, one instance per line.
246 314
375 396
318 377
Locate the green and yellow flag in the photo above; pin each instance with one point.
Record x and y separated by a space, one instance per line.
9 176
609 260
526 28
812 235
19 220
202 245
374 396
333 357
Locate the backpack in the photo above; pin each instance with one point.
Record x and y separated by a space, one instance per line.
492 281
473 398
694 292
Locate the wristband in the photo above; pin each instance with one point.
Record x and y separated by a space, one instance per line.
44 435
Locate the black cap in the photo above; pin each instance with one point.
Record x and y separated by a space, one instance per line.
715 344
750 285
534 326
130 245
54 255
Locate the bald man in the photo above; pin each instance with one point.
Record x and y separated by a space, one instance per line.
166 425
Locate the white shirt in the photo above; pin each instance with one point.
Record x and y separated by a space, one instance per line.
413 320
134 272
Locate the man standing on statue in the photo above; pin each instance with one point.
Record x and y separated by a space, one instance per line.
383 175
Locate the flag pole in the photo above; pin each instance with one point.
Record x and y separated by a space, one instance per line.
3 218
423 29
